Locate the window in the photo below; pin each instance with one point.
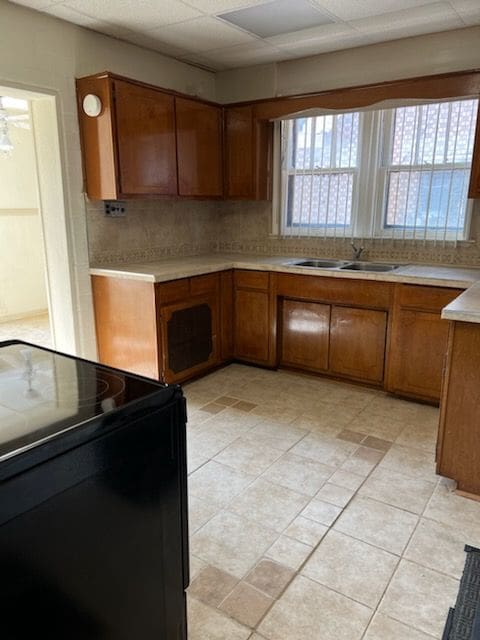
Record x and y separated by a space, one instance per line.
397 173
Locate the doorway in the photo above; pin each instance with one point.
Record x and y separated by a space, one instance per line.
36 292
24 312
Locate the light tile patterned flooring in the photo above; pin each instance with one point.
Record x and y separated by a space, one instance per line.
34 329
315 512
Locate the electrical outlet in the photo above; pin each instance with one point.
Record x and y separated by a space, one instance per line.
115 209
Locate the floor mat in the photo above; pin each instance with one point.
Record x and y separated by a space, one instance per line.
463 622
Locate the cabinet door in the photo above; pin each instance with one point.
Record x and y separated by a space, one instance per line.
418 341
239 152
418 352
357 343
305 334
252 326
248 155
189 337
145 125
199 148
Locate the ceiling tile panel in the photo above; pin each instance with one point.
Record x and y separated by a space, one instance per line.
352 9
149 42
405 23
39 5
205 61
188 29
244 55
215 7
304 48
322 33
468 10
202 34
135 14
70 15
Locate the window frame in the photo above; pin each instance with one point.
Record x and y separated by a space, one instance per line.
370 183
313 230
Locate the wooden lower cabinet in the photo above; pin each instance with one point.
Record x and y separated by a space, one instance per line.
254 317
418 341
168 331
251 326
178 329
458 446
189 337
126 325
305 335
357 343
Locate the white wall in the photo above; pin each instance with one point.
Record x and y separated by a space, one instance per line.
22 268
421 55
43 53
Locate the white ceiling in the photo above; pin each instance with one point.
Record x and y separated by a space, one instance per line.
191 30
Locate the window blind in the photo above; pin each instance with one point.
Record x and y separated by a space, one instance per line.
399 173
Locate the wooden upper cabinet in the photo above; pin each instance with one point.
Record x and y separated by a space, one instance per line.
199 148
239 152
98 140
129 149
474 188
418 341
145 127
248 154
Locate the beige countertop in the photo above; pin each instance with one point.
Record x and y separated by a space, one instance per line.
466 307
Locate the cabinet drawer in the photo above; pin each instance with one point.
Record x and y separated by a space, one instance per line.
425 298
172 291
252 279
204 284
335 290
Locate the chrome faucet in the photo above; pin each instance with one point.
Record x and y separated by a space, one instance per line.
357 251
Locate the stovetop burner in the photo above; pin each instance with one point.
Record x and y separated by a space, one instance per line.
42 392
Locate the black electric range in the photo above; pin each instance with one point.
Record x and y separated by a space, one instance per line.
93 504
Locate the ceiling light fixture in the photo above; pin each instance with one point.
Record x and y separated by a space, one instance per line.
6 146
21 120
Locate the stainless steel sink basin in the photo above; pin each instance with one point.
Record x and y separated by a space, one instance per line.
369 266
320 264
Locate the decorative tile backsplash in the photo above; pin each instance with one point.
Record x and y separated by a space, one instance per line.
246 228
151 230
155 229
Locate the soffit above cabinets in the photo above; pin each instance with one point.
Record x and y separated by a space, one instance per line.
224 34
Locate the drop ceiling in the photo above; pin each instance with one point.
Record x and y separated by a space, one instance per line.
224 34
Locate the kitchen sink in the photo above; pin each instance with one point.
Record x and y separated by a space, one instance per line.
369 266
345 265
320 264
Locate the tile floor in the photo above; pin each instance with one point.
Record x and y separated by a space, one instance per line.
34 329
315 512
